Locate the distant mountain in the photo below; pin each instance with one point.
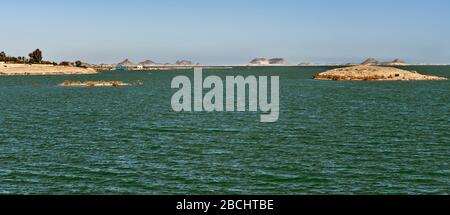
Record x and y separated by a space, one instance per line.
184 63
126 62
260 61
374 62
265 61
147 63
397 62
370 62
277 61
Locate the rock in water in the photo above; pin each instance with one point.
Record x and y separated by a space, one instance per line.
373 73
94 84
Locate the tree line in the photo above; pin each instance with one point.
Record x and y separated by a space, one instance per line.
34 57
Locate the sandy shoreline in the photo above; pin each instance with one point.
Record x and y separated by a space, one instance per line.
38 69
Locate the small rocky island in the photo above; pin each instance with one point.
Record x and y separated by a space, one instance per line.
373 73
94 84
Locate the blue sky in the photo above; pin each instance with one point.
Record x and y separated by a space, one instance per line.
232 31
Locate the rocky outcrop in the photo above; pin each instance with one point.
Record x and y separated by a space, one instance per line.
373 73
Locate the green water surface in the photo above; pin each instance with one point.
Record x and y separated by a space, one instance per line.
331 138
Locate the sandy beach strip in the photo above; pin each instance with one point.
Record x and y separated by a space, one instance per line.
38 69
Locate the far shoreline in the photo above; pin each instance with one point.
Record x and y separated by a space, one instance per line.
8 69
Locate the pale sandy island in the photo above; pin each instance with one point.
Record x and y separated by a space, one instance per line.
374 73
38 69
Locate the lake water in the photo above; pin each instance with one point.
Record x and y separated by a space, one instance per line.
331 137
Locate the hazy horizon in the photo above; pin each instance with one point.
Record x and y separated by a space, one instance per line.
231 32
